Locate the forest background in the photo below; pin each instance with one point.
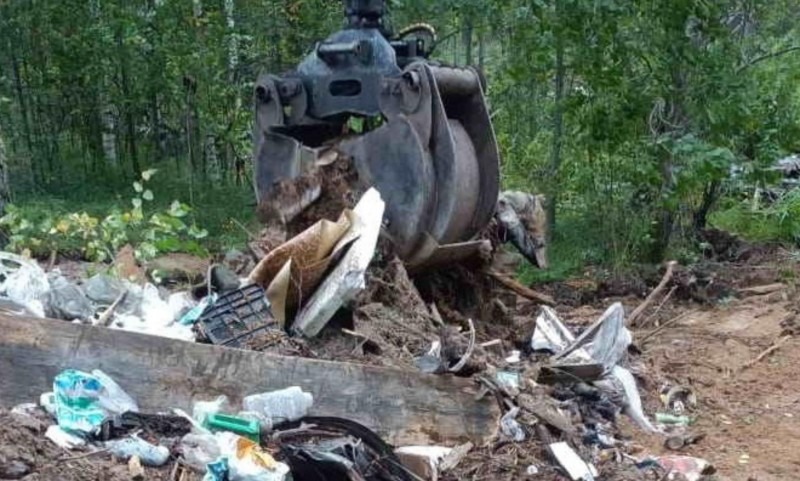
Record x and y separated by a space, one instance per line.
642 121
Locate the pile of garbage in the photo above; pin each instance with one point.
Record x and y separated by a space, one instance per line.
560 394
295 287
566 397
268 438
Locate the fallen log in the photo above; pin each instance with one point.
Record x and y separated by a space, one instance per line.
404 407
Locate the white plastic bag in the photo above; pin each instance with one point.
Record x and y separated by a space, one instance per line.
24 282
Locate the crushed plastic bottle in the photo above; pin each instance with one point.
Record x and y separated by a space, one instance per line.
276 407
150 454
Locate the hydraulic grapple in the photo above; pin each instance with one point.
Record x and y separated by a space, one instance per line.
428 146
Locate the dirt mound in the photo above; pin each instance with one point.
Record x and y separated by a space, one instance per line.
25 454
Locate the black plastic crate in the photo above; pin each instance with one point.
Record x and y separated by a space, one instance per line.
237 317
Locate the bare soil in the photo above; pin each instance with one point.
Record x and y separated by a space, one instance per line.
27 455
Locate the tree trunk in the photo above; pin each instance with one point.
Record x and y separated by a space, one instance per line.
710 196
558 132
675 126
481 50
21 100
466 40
130 118
4 193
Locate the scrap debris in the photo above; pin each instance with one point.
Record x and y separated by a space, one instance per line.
335 291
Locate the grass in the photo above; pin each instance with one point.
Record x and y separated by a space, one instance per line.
569 252
227 211
776 222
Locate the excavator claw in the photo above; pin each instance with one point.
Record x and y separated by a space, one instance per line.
433 158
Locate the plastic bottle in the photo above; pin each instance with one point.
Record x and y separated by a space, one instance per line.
151 455
276 407
665 418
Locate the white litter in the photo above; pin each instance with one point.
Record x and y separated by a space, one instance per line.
62 438
347 278
577 468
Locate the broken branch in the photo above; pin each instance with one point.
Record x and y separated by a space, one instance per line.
470 349
762 290
665 325
650 319
651 297
774 347
522 290
436 315
107 316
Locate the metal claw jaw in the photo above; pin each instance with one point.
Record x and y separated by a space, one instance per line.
434 158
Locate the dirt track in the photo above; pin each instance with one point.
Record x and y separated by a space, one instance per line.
751 413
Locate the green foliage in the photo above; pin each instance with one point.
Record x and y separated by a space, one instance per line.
776 222
150 231
631 114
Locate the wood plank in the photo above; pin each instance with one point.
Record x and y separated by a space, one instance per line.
405 407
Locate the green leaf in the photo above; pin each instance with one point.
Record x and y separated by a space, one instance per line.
168 244
147 195
147 174
137 186
177 209
197 232
146 251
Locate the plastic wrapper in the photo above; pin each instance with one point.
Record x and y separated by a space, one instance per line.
202 409
24 282
84 401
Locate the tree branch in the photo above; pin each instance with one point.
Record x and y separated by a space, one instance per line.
768 56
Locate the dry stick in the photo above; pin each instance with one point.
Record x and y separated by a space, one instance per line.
774 347
52 262
81 456
107 316
665 325
463 361
521 289
436 315
247 231
764 289
650 298
363 338
651 318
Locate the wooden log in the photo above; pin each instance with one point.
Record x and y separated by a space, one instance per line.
405 407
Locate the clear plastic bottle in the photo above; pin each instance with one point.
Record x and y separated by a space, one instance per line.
150 454
275 407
